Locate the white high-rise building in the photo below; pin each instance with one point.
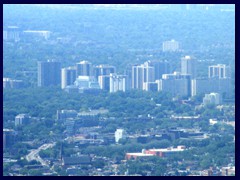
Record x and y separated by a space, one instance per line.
176 84
160 68
22 119
84 68
117 83
141 74
120 134
103 69
219 71
188 66
104 82
203 86
170 46
68 76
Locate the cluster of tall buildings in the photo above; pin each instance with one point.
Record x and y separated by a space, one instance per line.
157 76
82 76
86 76
150 76
212 98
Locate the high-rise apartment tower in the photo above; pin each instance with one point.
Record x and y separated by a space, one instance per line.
49 73
188 66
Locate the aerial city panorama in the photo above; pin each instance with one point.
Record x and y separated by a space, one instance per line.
118 89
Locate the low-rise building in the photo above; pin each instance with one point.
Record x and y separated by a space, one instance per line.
173 117
86 82
137 155
83 159
93 112
71 89
65 114
228 171
213 121
12 83
34 33
165 152
212 98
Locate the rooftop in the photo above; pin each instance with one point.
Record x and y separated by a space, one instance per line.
139 154
84 159
167 150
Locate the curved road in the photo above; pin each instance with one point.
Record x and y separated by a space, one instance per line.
34 154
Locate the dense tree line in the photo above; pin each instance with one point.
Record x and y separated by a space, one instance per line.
155 107
44 102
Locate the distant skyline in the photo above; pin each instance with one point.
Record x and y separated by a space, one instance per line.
88 89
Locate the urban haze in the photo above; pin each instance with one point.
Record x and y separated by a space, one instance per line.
118 90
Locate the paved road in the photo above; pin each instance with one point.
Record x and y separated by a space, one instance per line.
34 154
